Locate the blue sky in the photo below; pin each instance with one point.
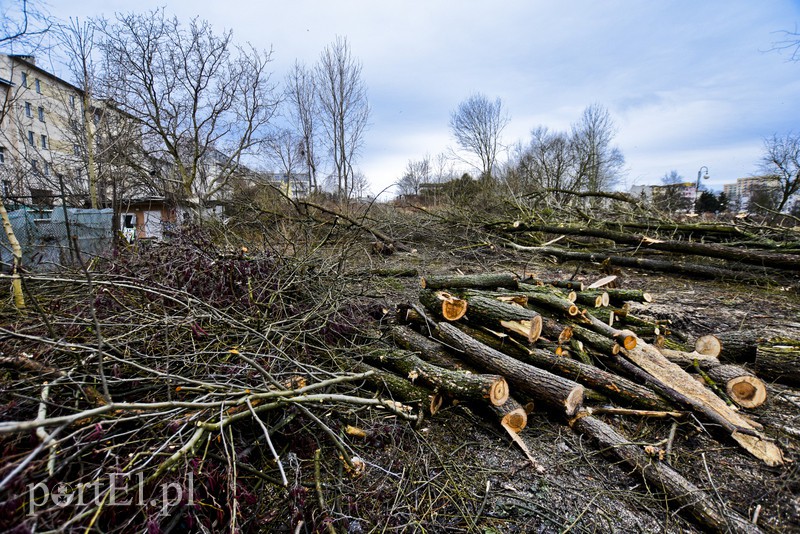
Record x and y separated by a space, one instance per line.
689 83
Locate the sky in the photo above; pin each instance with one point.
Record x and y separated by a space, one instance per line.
688 83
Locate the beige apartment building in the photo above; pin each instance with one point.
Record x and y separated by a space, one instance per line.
39 133
739 193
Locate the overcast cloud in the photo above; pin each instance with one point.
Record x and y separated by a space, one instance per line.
688 83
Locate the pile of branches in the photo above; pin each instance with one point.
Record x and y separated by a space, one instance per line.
509 344
180 385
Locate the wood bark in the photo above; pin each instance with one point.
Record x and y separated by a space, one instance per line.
466 386
428 349
687 497
672 267
711 250
502 315
511 415
477 281
565 396
593 298
549 300
609 384
771 357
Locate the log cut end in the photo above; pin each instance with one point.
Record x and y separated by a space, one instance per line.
708 346
498 392
515 421
746 391
627 339
574 400
453 308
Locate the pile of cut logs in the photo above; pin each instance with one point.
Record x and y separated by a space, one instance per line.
507 343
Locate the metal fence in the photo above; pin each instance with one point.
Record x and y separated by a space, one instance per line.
45 234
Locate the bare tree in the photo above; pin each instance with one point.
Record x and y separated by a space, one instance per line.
284 148
599 164
204 103
21 21
547 162
344 109
670 196
77 40
416 174
477 125
790 42
782 159
301 97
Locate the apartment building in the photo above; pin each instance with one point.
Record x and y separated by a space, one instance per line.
739 193
38 136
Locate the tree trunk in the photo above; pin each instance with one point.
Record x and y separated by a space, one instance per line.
672 267
428 349
501 315
479 388
559 393
687 497
712 250
611 385
476 281
16 251
771 357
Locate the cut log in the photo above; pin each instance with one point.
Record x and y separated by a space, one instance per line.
486 281
571 285
742 386
549 300
563 395
684 495
598 342
443 304
397 388
705 402
710 250
673 267
628 295
428 349
512 415
771 357
510 317
611 385
480 388
593 298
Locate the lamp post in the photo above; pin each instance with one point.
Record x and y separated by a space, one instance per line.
697 187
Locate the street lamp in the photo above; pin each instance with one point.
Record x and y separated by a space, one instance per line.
697 187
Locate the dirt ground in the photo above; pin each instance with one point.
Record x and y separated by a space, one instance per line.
466 475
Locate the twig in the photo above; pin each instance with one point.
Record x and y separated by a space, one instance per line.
269 442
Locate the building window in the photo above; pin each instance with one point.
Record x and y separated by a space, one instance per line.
28 109
25 80
44 141
38 86
2 154
72 101
6 188
41 113
30 138
47 168
35 165
76 150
